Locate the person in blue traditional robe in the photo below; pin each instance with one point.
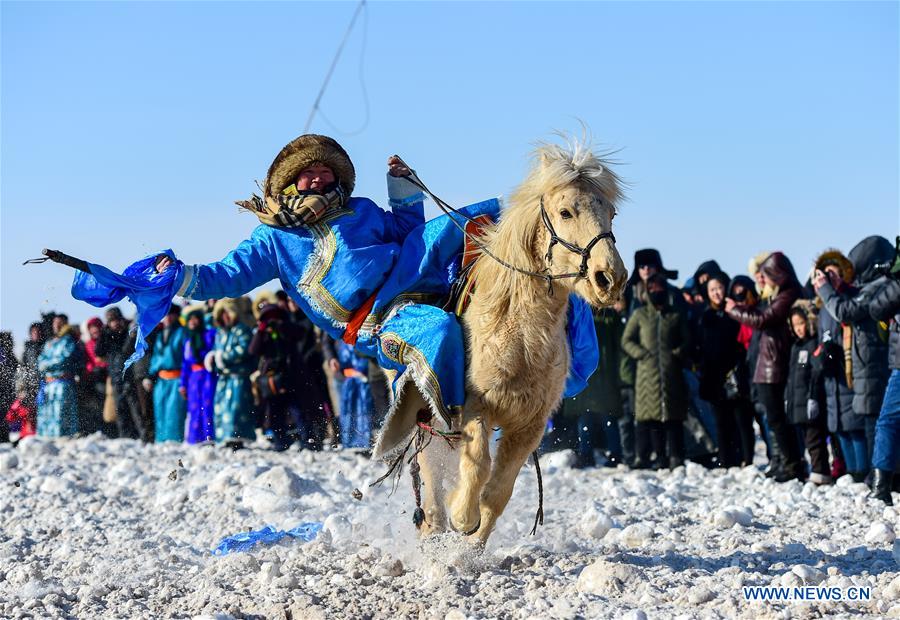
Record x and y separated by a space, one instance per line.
169 407
365 276
234 411
357 404
57 410
198 385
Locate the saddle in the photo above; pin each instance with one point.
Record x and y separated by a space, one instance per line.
461 290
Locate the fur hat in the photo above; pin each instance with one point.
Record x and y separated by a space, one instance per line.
650 256
240 308
835 257
264 298
807 309
192 310
303 152
754 263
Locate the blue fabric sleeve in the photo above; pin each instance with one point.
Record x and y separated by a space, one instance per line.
151 292
407 209
583 346
250 264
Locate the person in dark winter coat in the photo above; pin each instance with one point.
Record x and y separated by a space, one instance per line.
657 337
770 374
112 347
30 375
275 343
885 306
804 394
594 413
743 291
647 262
862 336
8 366
315 411
720 361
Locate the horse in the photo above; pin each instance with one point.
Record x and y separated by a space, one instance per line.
557 222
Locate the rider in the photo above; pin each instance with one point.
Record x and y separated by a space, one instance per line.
361 274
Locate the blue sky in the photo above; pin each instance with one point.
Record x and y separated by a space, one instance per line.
126 128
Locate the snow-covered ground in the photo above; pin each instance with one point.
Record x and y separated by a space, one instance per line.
93 528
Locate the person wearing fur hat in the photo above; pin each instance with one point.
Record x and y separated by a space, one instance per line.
770 375
57 414
804 394
198 385
234 411
164 380
865 348
333 254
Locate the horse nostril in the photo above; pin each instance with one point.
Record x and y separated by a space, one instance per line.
602 279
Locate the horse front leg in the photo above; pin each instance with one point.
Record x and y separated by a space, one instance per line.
514 449
474 470
433 463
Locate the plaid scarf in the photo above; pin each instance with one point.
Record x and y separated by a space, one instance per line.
294 210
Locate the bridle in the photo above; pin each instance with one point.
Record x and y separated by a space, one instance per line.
584 252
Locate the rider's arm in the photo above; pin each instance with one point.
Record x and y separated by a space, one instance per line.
251 264
407 208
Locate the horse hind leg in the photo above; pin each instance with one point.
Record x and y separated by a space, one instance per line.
512 453
474 470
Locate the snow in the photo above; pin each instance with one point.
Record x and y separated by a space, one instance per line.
111 528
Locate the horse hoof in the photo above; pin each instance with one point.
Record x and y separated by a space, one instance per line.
465 533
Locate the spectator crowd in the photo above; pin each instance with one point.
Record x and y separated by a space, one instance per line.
697 372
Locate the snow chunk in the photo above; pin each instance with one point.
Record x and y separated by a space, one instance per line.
8 461
340 529
729 517
54 484
880 532
636 535
810 576
700 595
595 523
562 459
605 578
274 489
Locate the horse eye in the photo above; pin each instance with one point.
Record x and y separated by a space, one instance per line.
566 214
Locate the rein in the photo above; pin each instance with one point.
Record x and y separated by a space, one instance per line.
584 252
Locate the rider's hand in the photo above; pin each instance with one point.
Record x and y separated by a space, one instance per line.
163 262
396 168
334 366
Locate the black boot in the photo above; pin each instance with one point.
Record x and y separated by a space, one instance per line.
791 471
858 476
881 486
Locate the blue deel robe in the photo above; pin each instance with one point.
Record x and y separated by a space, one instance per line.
333 266
235 417
200 386
357 403
57 412
169 407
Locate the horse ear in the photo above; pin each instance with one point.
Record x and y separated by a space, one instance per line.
544 159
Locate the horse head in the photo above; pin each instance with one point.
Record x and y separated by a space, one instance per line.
572 195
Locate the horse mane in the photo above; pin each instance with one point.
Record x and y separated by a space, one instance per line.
554 167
